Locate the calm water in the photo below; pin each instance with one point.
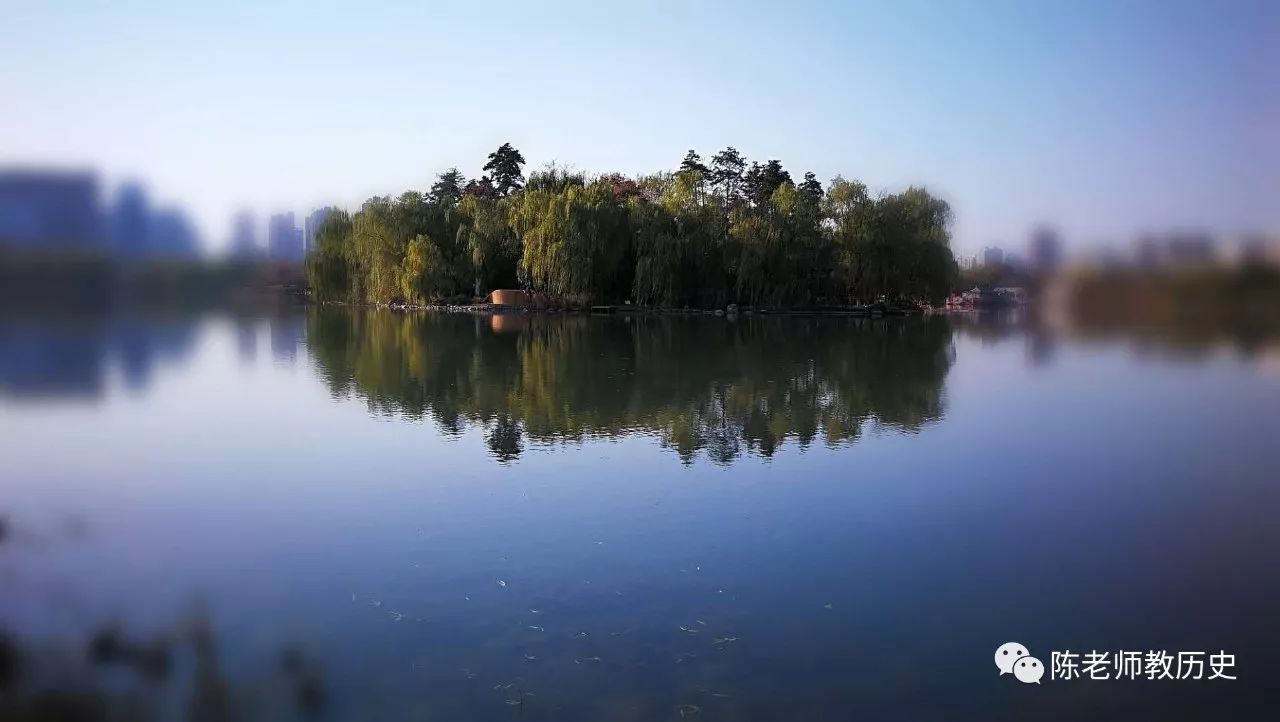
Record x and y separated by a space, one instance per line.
384 516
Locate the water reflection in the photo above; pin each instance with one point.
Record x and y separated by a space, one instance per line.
74 356
697 384
70 357
1049 505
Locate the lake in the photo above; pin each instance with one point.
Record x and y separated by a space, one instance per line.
360 514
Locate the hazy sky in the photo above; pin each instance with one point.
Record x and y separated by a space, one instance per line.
1104 118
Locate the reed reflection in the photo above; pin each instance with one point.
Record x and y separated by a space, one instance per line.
697 384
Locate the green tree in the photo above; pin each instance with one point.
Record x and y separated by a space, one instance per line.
504 167
448 187
576 241
762 180
330 267
896 247
489 243
424 273
727 168
378 247
811 186
699 236
692 163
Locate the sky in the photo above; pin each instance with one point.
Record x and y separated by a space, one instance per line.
1102 118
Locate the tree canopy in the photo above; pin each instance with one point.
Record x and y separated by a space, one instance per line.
504 167
702 236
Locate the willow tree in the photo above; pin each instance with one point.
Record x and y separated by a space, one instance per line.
848 211
378 246
574 240
331 268
485 236
896 247
659 255
424 273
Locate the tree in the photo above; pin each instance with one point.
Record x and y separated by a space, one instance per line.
378 247
488 242
554 178
505 167
811 186
693 163
727 167
481 187
762 180
424 273
576 242
330 267
666 239
448 187
896 247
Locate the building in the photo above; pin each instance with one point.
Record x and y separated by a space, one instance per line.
49 210
1146 251
311 226
993 256
1179 248
284 238
140 232
1045 250
130 222
244 238
172 235
1191 248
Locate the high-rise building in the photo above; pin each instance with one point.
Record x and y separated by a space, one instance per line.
311 226
284 238
244 237
139 231
130 222
48 210
172 235
992 256
1045 250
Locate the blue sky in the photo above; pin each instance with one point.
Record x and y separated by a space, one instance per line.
1104 118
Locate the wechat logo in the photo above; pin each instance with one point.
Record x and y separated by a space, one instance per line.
1013 657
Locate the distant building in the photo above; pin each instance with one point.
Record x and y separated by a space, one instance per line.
1181 248
1147 251
311 226
172 235
49 209
284 238
244 237
992 256
129 221
1045 250
1191 248
140 232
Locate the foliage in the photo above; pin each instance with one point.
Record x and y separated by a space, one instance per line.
330 267
703 236
489 243
447 189
504 167
424 274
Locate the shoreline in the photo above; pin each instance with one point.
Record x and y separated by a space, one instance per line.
869 311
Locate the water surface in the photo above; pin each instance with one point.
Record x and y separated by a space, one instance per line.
455 516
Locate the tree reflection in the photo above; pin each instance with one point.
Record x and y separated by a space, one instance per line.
697 384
